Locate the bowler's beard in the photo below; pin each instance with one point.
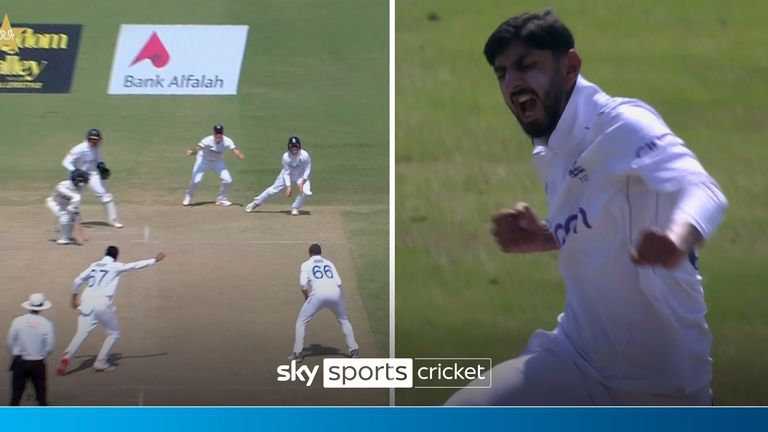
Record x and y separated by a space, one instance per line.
553 103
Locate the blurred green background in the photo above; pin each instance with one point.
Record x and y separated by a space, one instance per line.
318 70
460 156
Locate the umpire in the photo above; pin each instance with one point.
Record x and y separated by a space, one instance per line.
30 339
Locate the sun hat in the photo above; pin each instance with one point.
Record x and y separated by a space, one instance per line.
37 302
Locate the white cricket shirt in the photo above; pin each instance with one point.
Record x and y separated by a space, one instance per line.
103 277
611 168
211 150
296 166
66 194
320 274
82 156
31 336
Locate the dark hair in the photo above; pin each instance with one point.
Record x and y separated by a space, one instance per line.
112 251
537 30
314 249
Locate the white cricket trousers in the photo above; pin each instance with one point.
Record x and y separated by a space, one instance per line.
93 312
545 375
63 216
198 171
99 189
333 300
280 185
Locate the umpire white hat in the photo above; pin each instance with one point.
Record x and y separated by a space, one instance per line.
37 302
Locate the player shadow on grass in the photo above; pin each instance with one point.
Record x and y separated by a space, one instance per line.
213 203
317 350
114 359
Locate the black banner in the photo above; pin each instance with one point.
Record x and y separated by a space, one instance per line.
45 60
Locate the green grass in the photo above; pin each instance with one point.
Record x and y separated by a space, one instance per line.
314 69
460 156
370 230
317 70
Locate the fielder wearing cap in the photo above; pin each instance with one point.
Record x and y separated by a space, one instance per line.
31 339
297 166
87 157
628 204
320 285
209 153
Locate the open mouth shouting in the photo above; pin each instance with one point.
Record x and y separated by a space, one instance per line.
527 106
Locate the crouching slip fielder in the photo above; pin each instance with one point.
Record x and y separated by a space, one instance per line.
209 151
321 275
95 305
64 203
297 166
86 156
628 204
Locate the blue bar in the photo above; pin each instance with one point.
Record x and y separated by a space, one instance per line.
384 419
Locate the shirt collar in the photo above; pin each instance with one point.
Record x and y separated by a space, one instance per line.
108 258
580 111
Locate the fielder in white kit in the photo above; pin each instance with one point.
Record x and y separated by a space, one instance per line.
209 157
86 156
628 205
64 203
95 305
297 166
321 276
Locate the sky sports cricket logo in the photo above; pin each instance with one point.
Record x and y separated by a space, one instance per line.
391 373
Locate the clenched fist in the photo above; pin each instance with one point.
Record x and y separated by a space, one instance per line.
518 230
657 248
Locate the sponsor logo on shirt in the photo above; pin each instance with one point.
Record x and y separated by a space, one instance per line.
576 171
645 149
570 226
579 172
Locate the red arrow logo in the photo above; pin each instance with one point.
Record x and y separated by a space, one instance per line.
155 51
